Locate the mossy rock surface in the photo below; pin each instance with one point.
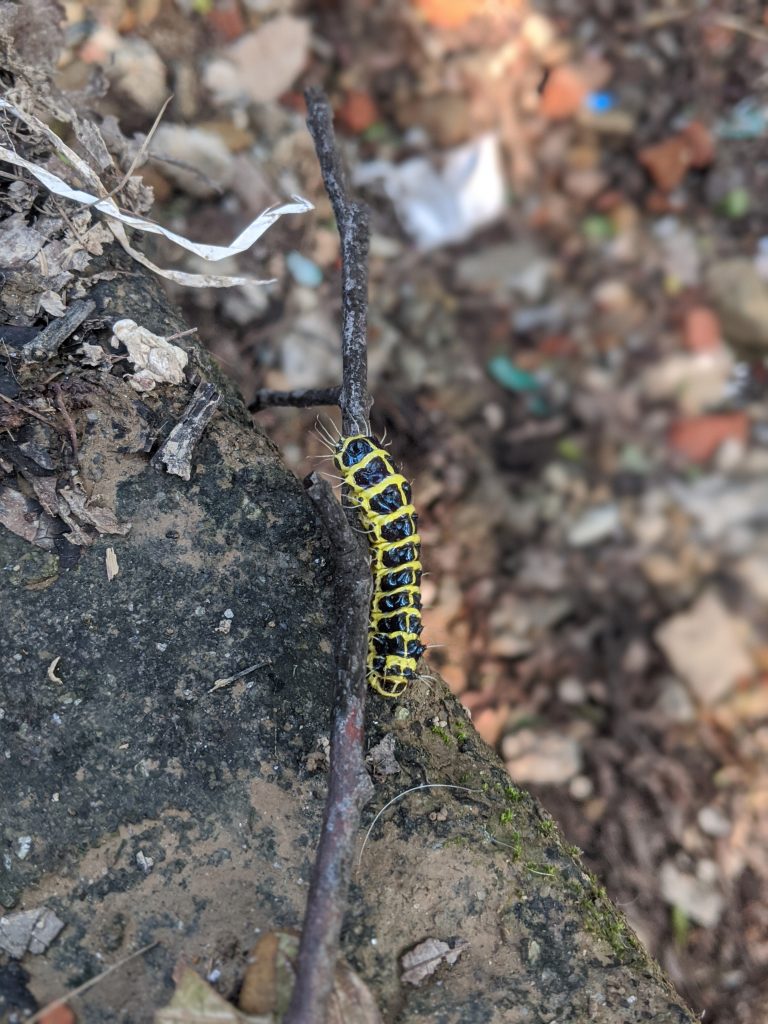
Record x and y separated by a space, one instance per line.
146 801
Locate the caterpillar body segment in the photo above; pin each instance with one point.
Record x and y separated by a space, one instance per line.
383 499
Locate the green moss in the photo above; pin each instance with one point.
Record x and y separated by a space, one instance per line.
603 920
549 870
513 794
546 827
506 817
444 735
460 733
681 927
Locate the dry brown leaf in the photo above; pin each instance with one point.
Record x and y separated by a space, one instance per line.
423 960
21 516
195 1002
271 973
103 519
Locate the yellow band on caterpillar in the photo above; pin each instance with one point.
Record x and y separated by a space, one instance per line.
383 499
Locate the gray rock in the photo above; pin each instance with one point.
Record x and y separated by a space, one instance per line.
740 296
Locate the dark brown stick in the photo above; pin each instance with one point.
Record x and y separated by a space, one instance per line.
349 787
352 221
301 397
51 338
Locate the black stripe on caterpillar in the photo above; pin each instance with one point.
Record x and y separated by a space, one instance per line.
383 499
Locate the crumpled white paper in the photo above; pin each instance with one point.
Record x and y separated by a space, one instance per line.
105 204
441 205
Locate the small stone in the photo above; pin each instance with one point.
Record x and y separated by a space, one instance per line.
544 759
270 59
612 296
675 702
707 647
564 93
701 144
699 437
202 151
698 899
740 296
357 112
713 822
139 73
581 788
595 525
667 162
701 330
571 691
753 573
518 267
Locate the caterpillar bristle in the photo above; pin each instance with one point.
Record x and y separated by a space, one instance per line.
382 497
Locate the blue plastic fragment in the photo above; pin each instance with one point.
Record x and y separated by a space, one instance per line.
504 372
303 270
600 102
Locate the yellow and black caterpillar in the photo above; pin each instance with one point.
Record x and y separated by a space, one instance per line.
383 497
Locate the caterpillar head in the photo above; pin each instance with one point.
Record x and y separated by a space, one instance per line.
353 449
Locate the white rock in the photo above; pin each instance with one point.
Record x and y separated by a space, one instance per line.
713 822
546 759
596 524
517 267
675 702
695 381
707 648
571 690
753 572
139 73
202 151
270 59
699 899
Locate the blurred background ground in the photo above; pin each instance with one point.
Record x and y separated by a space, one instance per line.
569 322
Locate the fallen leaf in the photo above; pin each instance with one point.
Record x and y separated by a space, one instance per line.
60 1014
270 976
195 1002
77 504
423 960
22 516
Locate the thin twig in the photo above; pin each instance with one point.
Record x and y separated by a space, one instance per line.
30 412
352 221
349 787
300 398
65 415
63 1000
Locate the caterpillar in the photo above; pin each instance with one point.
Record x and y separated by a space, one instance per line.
383 498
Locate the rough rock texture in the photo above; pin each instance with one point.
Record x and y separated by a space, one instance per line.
157 806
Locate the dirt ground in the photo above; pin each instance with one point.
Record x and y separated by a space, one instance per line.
569 322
